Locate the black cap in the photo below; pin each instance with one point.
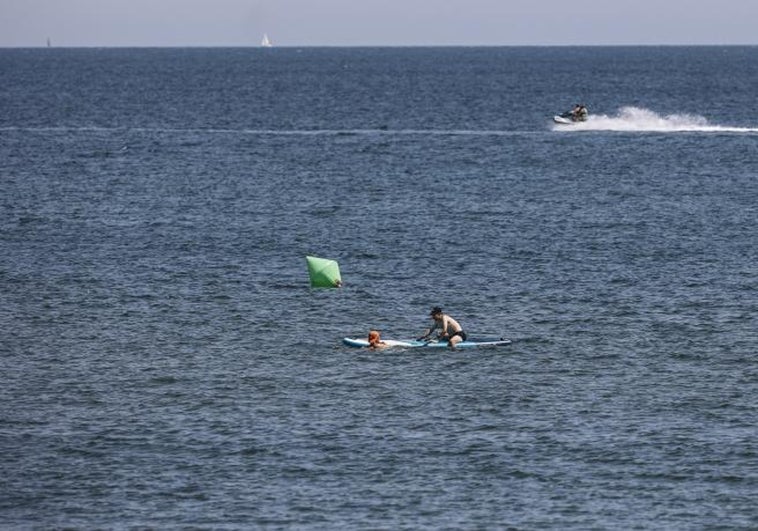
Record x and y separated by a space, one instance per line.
435 310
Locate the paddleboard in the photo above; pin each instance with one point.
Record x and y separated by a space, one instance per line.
412 343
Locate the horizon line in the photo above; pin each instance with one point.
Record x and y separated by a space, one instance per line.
299 46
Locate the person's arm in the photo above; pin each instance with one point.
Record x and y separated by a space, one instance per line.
428 332
445 326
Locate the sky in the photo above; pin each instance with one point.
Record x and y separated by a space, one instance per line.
109 23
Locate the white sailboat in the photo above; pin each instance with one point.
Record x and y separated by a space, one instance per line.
265 42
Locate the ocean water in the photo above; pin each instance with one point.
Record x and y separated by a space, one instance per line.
165 363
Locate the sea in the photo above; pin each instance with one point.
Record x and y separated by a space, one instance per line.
167 365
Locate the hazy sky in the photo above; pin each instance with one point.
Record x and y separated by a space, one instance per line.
375 22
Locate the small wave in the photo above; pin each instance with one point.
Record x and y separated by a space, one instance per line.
645 120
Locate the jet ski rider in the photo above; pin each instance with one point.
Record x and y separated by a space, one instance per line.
579 113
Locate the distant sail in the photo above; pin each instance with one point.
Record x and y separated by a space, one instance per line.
323 273
265 42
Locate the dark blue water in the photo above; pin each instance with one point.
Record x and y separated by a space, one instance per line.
165 363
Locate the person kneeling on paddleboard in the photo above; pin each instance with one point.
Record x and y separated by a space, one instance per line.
449 328
374 340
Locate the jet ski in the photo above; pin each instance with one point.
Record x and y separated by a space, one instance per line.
578 114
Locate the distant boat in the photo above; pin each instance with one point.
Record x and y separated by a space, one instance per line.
48 42
265 42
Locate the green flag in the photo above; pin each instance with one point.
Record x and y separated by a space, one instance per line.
324 273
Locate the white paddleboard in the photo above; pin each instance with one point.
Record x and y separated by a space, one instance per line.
412 343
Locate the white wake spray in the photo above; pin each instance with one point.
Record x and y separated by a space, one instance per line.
645 120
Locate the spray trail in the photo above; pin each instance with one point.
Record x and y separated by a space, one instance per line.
645 120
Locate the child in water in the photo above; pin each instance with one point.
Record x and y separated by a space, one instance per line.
374 340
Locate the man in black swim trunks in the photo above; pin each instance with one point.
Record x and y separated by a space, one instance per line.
449 328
